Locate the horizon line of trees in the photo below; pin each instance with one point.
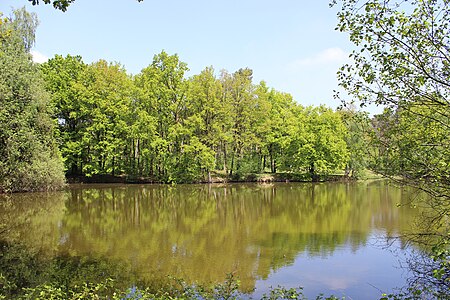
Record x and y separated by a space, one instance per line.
159 124
163 125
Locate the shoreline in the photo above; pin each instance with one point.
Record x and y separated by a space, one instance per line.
216 178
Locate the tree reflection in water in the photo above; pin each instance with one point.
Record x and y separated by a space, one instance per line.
202 232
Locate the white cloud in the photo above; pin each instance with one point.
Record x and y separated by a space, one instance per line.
325 57
38 57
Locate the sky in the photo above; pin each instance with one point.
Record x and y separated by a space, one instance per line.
290 44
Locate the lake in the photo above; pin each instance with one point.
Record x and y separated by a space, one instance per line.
328 237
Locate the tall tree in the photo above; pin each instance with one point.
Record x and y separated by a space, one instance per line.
93 108
402 61
208 117
319 145
108 97
239 92
29 157
359 133
64 79
281 123
163 91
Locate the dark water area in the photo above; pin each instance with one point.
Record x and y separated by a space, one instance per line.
329 237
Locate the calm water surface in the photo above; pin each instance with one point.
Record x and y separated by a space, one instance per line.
325 237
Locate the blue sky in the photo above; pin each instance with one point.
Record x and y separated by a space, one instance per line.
291 44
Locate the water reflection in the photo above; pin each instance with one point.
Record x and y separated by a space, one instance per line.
201 232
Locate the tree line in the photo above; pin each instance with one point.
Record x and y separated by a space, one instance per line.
88 119
159 124
163 125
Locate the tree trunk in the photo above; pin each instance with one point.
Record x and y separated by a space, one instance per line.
224 158
312 172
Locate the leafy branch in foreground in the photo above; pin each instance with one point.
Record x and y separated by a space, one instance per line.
402 61
58 4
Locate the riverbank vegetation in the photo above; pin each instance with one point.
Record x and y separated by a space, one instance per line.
158 125
29 156
402 61
168 128
161 125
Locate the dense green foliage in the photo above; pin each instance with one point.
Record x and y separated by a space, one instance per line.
159 125
169 128
29 157
402 61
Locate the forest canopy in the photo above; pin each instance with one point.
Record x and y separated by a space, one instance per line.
159 125
162 125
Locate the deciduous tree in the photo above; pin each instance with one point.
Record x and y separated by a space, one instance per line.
29 157
402 61
64 80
